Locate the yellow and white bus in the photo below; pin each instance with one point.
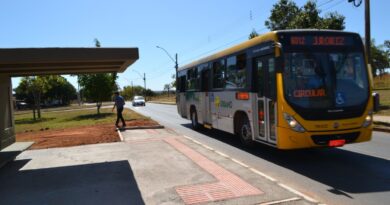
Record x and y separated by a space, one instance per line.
287 89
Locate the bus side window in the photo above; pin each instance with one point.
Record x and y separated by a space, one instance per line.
272 78
196 78
182 83
260 77
204 73
189 76
230 72
219 74
236 71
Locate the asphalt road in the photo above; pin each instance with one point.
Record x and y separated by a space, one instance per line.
354 174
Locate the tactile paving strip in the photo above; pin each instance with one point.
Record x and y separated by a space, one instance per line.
228 186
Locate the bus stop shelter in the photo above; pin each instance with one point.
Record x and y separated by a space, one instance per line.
15 62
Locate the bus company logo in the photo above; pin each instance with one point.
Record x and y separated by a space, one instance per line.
217 101
309 93
336 125
225 104
220 103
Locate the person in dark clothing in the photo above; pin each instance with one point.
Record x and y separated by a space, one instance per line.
119 103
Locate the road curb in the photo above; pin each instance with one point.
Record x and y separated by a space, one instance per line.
379 129
119 130
120 135
141 127
164 103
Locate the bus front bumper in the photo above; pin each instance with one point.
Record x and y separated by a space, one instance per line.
289 139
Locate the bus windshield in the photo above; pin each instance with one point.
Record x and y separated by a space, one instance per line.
325 80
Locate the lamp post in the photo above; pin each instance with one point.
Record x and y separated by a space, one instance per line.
367 28
143 78
174 60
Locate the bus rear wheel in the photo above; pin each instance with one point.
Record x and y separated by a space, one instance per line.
245 132
194 120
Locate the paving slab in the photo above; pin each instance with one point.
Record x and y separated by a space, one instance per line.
9 153
150 166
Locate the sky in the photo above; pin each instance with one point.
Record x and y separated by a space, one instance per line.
190 28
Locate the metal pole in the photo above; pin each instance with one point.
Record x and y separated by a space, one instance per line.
132 89
145 83
176 64
368 30
176 68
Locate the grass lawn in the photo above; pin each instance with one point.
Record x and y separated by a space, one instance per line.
69 107
384 98
165 98
69 119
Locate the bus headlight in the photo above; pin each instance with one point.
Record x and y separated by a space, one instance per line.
368 120
293 123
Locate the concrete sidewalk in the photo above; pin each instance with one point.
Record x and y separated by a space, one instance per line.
385 119
150 166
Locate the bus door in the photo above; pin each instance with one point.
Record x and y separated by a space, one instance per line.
205 96
265 117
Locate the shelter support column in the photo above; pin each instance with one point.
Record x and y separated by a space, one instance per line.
7 125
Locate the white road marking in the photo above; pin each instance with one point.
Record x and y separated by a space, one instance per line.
263 175
298 193
120 135
281 201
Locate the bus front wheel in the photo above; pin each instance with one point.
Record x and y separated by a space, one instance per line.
245 132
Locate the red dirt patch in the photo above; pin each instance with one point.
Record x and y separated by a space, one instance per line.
103 133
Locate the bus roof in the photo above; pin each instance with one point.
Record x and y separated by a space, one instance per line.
270 36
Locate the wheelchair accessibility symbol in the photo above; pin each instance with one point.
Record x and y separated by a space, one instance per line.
340 99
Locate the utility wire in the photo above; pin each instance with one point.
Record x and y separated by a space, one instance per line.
337 3
222 32
324 3
219 47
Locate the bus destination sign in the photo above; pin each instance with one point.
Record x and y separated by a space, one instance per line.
320 40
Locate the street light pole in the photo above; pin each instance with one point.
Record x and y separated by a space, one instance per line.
368 30
143 78
174 60
367 34
145 83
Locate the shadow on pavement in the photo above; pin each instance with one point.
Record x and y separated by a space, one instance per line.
100 183
90 117
343 170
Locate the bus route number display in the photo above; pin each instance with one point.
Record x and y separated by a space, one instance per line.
318 40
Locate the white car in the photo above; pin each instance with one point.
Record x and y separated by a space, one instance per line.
138 100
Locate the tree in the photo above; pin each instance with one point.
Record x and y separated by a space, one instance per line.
150 93
129 92
287 15
30 89
34 90
167 87
58 90
387 45
282 14
173 83
98 87
253 34
380 58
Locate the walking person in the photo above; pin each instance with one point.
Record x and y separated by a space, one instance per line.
119 103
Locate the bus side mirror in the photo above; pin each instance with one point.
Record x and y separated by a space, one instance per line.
376 98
